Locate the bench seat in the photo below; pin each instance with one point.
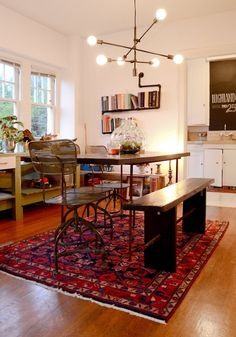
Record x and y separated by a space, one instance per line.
160 218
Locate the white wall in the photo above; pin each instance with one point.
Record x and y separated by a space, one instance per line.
34 45
24 37
71 94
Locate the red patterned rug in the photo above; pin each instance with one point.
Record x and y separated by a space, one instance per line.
121 284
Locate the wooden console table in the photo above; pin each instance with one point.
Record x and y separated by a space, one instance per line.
13 196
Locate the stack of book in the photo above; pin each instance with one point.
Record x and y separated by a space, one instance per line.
109 124
119 102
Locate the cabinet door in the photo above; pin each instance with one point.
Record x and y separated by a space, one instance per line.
229 167
198 92
213 165
195 164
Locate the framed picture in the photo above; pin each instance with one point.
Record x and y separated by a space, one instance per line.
137 190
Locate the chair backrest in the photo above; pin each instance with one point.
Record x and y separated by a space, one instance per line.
90 149
54 157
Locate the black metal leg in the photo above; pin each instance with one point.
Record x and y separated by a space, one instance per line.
196 221
160 240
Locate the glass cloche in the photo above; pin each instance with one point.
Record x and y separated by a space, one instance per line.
129 137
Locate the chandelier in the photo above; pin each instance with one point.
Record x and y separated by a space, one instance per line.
133 50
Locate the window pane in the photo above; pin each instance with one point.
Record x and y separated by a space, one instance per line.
32 94
39 121
48 97
6 109
9 73
39 98
9 91
39 81
1 71
42 121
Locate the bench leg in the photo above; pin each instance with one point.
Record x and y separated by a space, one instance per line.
160 240
195 207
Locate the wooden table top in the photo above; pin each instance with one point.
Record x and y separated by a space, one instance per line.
129 159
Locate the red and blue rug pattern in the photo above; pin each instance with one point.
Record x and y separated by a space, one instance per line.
119 283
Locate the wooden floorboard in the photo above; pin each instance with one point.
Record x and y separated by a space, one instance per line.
28 310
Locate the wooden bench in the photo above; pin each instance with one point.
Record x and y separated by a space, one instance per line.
160 218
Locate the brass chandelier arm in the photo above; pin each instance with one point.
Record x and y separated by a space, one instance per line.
139 40
128 61
168 56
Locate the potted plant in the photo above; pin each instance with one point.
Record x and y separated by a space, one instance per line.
9 133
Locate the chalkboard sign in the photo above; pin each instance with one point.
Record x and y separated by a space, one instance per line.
223 95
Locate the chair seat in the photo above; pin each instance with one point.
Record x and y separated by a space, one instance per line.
92 189
112 185
72 199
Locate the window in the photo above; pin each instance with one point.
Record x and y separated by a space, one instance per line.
43 103
9 88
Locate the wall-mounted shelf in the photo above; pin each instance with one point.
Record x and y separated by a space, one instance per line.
132 109
119 103
127 102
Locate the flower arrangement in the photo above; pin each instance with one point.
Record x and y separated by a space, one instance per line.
8 129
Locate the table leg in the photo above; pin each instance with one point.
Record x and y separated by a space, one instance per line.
169 174
176 170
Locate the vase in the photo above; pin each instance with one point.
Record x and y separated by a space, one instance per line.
129 136
20 147
8 145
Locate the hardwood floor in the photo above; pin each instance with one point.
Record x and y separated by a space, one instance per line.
28 310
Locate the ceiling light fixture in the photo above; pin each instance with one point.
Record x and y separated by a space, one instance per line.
102 59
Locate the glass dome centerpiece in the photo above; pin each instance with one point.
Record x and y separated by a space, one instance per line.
129 137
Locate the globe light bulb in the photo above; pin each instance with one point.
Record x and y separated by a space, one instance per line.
120 61
155 62
178 59
92 40
101 60
161 14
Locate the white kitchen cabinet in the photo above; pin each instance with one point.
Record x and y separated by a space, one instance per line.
229 167
213 165
195 161
198 92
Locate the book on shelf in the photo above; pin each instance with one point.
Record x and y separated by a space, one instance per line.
146 99
141 99
153 99
107 124
134 101
105 103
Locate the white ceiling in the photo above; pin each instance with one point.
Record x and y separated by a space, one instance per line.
86 17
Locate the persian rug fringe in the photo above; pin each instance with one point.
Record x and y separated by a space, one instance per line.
110 306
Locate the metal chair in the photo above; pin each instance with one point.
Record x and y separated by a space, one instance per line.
59 158
117 186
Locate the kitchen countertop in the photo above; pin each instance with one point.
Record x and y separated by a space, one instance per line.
212 142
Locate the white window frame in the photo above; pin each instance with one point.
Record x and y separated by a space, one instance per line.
16 83
51 125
